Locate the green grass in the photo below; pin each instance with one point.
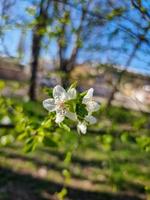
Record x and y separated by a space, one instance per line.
106 163
122 171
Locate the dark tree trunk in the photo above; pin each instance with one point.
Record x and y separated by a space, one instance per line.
65 73
34 65
42 19
66 66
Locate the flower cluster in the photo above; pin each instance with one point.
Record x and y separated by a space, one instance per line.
77 107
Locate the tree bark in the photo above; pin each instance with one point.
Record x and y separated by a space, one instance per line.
34 65
42 20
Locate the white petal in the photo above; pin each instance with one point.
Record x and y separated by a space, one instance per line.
5 120
92 106
71 115
72 93
88 96
59 118
59 93
81 127
90 119
49 104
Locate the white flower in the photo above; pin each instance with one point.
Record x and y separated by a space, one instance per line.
6 120
82 126
91 105
90 119
57 103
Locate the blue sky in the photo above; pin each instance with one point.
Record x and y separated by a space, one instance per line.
12 39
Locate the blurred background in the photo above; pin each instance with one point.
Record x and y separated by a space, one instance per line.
104 44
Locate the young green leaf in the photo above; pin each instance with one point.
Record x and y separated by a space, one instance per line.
64 126
47 141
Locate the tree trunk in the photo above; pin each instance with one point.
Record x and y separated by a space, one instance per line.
66 66
65 73
42 20
34 65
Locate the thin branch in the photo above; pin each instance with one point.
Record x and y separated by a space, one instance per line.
128 62
144 12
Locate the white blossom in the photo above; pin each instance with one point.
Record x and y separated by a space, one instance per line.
82 126
91 105
57 103
90 119
60 105
5 120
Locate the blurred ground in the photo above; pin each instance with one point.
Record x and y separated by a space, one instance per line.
120 175
107 163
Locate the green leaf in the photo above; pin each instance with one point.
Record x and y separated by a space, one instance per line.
30 145
47 141
71 104
2 85
29 140
83 94
49 91
67 159
73 85
144 142
31 11
115 13
81 110
22 136
62 194
64 126
29 148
